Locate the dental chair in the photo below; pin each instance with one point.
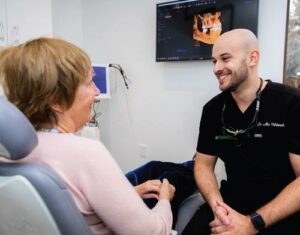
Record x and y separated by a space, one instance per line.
33 200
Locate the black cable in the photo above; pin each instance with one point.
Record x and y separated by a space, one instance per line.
95 115
118 67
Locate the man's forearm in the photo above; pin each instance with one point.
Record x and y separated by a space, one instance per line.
285 204
207 184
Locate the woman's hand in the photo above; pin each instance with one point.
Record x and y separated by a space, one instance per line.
149 189
167 190
156 189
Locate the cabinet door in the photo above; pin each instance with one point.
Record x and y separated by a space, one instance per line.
3 24
28 19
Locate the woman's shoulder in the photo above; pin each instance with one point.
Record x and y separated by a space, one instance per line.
67 138
71 144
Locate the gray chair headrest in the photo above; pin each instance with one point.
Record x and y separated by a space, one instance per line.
17 136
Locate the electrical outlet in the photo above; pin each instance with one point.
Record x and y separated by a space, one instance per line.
143 150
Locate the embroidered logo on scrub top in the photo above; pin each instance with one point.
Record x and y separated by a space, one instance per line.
271 124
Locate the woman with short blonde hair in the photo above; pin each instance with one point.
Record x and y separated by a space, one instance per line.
50 81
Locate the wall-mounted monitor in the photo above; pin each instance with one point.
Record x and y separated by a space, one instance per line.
187 30
101 80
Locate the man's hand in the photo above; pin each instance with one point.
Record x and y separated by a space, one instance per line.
221 215
149 189
233 223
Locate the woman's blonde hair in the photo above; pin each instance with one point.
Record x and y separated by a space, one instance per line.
41 73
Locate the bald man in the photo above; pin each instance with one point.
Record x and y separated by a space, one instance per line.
253 125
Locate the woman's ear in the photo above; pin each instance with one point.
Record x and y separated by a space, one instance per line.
57 108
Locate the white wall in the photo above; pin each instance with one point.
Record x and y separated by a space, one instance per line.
67 20
25 20
28 19
163 106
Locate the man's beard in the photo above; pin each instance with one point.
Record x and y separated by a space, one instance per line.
238 77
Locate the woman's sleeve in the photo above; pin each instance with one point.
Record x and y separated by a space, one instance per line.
115 201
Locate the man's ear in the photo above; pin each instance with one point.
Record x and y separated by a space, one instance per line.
253 57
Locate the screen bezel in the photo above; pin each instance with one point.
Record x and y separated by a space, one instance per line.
230 21
103 82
